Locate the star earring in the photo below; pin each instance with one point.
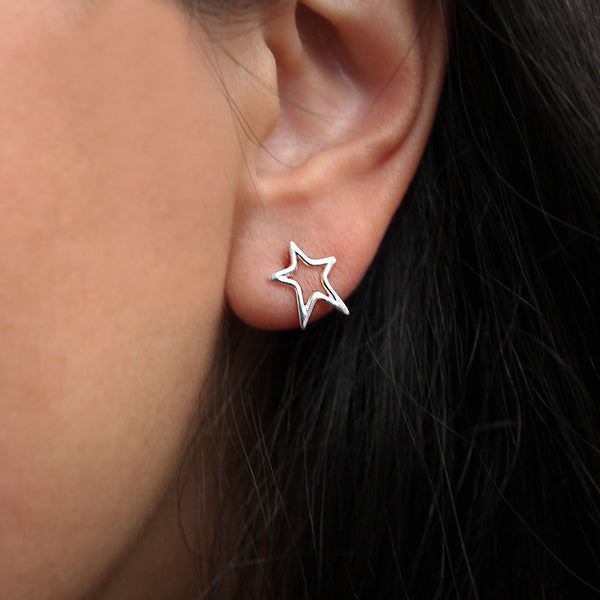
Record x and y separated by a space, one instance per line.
331 297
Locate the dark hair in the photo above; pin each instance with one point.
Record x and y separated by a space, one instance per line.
443 441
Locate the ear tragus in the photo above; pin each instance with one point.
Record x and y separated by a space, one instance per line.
318 97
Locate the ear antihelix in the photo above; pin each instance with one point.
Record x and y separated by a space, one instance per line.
356 58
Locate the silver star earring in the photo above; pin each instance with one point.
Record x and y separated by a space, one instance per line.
305 309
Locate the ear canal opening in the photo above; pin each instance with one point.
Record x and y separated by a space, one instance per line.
318 36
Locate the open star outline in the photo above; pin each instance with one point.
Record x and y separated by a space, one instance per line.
305 309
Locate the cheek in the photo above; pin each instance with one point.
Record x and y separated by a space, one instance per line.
118 172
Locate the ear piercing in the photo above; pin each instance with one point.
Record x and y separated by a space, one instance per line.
305 309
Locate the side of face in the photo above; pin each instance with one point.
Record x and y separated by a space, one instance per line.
119 158
138 197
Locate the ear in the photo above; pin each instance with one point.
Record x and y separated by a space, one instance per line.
358 84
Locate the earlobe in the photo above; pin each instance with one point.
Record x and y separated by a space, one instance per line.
358 89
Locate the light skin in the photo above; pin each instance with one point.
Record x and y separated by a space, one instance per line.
133 207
